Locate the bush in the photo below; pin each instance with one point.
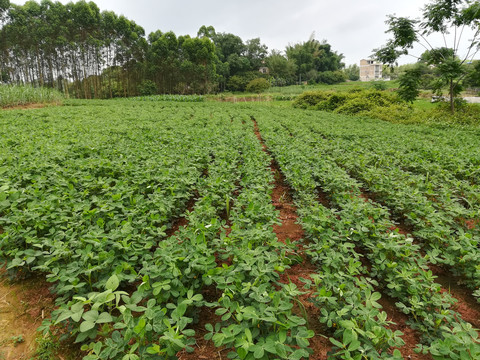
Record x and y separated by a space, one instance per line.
331 77
379 85
258 85
352 102
147 87
310 99
386 106
237 83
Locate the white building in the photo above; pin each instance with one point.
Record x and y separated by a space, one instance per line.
370 70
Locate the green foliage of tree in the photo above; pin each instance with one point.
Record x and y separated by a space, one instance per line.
258 85
331 77
473 77
313 56
439 17
352 72
409 84
281 69
235 58
237 83
147 87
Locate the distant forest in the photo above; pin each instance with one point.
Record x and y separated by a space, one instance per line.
86 53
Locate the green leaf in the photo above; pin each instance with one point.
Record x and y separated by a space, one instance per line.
248 334
336 343
91 315
140 326
104 318
354 345
86 325
259 352
131 357
347 324
242 353
112 283
78 315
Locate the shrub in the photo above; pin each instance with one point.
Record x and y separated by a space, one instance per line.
352 102
258 85
386 106
147 87
379 85
236 83
310 99
331 77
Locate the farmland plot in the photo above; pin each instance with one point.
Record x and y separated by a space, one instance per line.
155 224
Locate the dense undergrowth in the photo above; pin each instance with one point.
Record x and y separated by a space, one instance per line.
386 106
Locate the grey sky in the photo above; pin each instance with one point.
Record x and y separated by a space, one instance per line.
352 27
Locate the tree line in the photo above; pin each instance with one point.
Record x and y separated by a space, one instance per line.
88 53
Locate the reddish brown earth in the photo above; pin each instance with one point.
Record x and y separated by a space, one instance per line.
467 305
23 306
289 229
182 221
410 336
27 106
204 349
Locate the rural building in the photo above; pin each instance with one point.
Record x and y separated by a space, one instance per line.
264 70
370 70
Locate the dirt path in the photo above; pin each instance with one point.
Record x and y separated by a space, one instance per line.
23 306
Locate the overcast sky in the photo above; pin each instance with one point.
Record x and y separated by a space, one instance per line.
353 27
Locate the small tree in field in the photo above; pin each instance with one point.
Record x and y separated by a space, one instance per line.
258 85
409 84
439 17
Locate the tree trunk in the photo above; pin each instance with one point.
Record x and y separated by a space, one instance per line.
452 102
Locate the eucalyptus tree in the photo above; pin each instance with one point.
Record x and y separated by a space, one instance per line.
4 76
199 55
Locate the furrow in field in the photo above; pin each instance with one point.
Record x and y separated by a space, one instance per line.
290 230
399 321
396 262
466 304
338 287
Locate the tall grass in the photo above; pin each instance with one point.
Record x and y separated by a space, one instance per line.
14 95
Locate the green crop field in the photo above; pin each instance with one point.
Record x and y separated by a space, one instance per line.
153 221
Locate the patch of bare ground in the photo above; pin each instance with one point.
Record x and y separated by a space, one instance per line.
398 319
204 349
410 337
29 106
23 306
467 305
290 230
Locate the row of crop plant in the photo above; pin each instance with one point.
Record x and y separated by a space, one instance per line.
395 261
89 203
